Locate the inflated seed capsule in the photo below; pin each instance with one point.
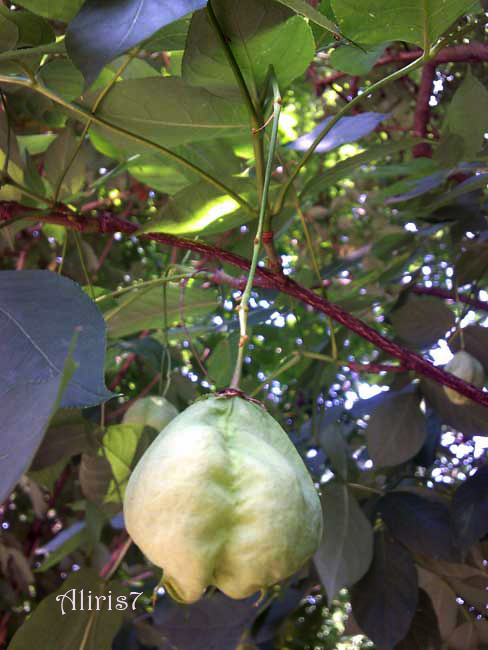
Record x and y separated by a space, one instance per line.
222 498
466 367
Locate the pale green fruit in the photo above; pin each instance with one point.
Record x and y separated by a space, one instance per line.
152 411
466 367
222 498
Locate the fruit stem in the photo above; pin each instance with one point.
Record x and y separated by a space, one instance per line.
244 306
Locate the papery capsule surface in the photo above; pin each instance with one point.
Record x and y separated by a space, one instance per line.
466 367
223 498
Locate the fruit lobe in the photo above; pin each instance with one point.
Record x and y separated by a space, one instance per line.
152 411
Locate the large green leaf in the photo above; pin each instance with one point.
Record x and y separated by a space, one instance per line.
57 623
169 112
33 30
303 8
9 34
158 172
102 31
67 435
165 175
354 61
58 159
25 412
467 115
378 21
63 10
346 550
421 321
259 34
119 446
144 308
396 430
8 143
385 599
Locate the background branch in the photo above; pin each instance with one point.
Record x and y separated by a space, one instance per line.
107 223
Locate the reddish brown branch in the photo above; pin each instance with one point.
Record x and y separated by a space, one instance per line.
422 111
108 224
466 53
449 295
122 371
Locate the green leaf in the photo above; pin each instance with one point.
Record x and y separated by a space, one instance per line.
385 599
422 320
334 444
120 444
346 550
35 144
66 436
259 33
28 54
169 112
423 525
39 312
443 599
377 21
33 30
61 76
396 430
26 411
89 627
58 156
223 360
63 10
352 60
470 508
95 477
467 115
9 34
472 264
202 208
170 37
144 308
102 31
303 8
15 166
158 172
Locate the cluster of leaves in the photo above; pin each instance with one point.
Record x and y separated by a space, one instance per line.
155 114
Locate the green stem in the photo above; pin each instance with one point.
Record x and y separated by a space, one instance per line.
87 115
254 111
143 285
83 265
369 91
315 268
244 306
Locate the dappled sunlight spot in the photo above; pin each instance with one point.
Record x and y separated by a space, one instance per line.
441 354
210 212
